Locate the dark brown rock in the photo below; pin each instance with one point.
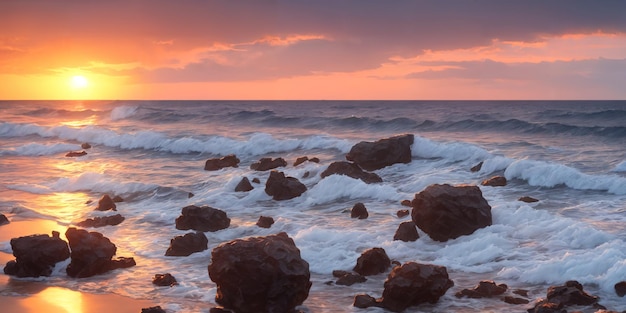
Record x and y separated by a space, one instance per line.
92 253
244 185
187 244
527 199
256 180
351 170
154 309
202 218
117 199
521 292
282 187
102 221
477 167
559 297
85 145
371 262
376 155
515 300
3 220
446 212
406 203
219 310
402 213
106 203
363 301
495 181
412 284
547 307
265 222
300 160
314 160
219 163
260 274
484 289
74 154
350 279
406 232
164 280
266 164
359 211
36 255
620 288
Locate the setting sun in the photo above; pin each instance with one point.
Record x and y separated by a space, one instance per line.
79 82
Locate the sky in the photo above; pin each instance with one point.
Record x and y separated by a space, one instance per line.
313 49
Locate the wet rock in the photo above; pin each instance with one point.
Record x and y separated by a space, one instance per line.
102 221
244 185
204 218
371 262
484 289
282 187
187 244
620 288
219 310
363 301
300 160
265 222
350 279
412 284
36 255
521 292
406 232
306 174
190 195
376 155
260 274
477 167
219 163
446 212
256 180
515 300
558 297
85 145
351 170
92 253
314 160
117 199
74 154
495 181
3 220
106 203
406 203
359 211
402 213
547 307
164 280
265 164
527 199
154 309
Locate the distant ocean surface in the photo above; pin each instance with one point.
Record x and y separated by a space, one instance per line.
571 155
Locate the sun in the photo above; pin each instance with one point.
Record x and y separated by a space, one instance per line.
79 82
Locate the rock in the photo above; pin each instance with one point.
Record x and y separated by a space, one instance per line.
413 284
219 163
106 203
154 309
204 218
406 232
306 174
406 203
547 307
219 310
359 211
117 199
36 255
371 262
484 289
350 279
265 164
3 220
282 187
402 213
515 300
558 297
260 274
527 199
190 195
364 301
495 181
164 280
85 146
314 160
256 180
74 154
477 167
521 292
300 160
102 221
376 155
187 244
445 212
265 222
244 185
351 170
91 254
620 288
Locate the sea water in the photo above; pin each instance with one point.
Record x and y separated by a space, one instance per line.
571 155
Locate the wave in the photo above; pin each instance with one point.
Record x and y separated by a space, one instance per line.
620 167
37 149
89 181
123 112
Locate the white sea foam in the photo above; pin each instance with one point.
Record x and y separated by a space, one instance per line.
123 112
454 151
88 181
335 187
37 149
620 167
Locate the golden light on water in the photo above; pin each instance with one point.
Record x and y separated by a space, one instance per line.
55 299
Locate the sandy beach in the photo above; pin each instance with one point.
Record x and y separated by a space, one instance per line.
43 298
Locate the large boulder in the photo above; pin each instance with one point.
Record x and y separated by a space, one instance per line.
265 164
187 244
376 155
92 254
102 221
359 211
413 284
371 262
282 187
260 274
36 255
219 163
446 212
204 218
351 170
559 297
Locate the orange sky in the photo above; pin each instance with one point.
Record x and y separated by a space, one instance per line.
325 49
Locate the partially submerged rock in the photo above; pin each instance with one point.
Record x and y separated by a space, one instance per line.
351 170
527 199
106 203
282 187
402 213
406 232
559 297
219 163
620 288
74 154
154 309
102 221
36 255
204 218
260 274
266 164
187 244
265 222
446 212
376 155
3 220
371 262
244 185
484 289
359 211
477 167
92 254
495 181
164 280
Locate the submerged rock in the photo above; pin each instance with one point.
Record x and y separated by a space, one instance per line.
376 155
36 255
164 280
359 211
446 212
477 167
187 244
92 254
106 203
402 213
484 289
244 185
73 154
496 181
406 232
204 218
371 262
527 199
351 170
219 163
266 164
260 274
265 222
3 220
282 187
102 221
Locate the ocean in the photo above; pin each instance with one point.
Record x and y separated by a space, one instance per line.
571 155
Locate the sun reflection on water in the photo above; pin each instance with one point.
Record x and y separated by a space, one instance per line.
58 300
